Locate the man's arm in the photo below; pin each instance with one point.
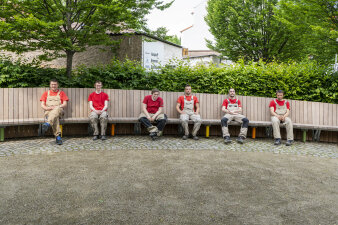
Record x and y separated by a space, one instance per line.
63 105
178 105
145 111
159 111
286 114
197 108
105 106
44 107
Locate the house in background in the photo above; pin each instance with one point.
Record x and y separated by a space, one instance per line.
151 51
193 40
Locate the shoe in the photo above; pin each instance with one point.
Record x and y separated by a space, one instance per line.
277 141
195 138
96 137
58 140
185 137
289 142
160 133
227 140
153 135
44 128
103 137
240 139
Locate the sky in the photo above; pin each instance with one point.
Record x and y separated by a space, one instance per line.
175 18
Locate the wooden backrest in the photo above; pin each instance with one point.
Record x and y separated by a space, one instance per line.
24 104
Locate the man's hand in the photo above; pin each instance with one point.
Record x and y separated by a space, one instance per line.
280 117
153 118
283 118
149 118
196 113
98 112
182 112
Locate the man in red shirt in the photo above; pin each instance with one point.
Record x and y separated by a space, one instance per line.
233 109
53 102
188 107
280 110
152 111
98 103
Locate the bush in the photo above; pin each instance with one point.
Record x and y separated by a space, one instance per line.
308 80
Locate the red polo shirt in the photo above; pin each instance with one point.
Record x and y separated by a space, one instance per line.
153 106
98 100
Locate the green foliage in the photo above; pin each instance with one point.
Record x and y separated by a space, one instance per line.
306 80
249 30
315 22
62 28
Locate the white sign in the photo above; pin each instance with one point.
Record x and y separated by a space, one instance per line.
153 54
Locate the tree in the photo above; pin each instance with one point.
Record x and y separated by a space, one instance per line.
249 30
64 27
316 22
162 32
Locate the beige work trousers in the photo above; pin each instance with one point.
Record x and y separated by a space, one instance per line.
94 122
276 129
153 128
238 118
53 118
184 118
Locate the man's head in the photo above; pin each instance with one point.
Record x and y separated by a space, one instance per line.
155 93
280 95
54 85
98 85
232 92
187 89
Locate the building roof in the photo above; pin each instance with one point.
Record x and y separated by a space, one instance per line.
201 53
130 32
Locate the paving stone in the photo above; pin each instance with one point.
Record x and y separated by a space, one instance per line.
47 145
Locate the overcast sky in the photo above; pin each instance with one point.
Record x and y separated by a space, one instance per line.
175 18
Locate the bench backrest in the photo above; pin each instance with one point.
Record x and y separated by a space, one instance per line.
23 104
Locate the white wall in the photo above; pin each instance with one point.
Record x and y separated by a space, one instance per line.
157 53
194 37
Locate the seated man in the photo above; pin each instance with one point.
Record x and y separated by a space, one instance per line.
280 110
188 107
152 111
233 109
98 103
53 102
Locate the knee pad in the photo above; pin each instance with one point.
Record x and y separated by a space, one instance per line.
245 123
224 122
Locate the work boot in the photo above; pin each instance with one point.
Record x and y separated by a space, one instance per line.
103 137
58 140
44 128
277 141
289 142
96 137
153 135
195 138
227 140
240 139
185 137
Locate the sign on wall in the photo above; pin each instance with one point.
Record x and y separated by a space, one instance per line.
153 54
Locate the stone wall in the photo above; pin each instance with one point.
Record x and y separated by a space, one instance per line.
129 47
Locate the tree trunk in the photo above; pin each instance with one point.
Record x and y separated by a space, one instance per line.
70 55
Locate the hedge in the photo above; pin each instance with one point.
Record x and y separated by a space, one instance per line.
307 80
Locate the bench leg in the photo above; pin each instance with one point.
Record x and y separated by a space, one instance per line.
253 132
61 128
304 135
207 130
268 131
137 128
2 134
316 135
113 130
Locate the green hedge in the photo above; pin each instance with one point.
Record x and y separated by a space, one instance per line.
300 81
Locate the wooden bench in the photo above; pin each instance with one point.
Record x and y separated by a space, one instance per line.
22 107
